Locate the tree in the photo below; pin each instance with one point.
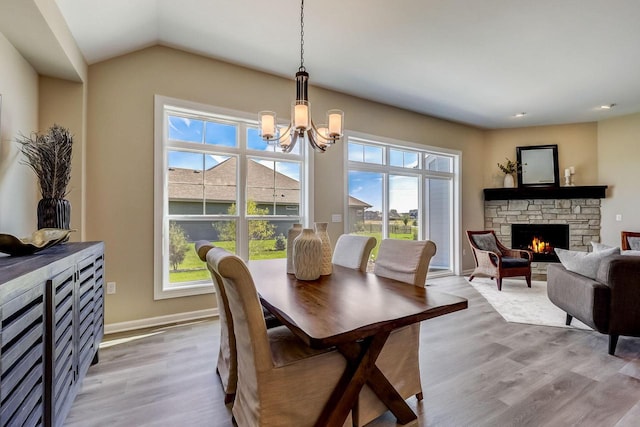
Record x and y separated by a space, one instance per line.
405 219
178 245
258 229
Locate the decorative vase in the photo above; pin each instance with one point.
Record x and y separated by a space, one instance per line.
292 233
307 253
326 267
54 213
509 182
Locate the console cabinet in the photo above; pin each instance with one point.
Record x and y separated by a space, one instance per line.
51 324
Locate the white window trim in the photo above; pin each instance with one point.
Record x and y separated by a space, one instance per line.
160 191
456 180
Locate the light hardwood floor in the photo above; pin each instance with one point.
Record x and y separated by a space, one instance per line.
477 370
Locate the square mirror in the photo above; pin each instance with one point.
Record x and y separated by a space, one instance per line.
538 166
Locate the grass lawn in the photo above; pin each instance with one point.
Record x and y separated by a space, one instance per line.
378 237
193 269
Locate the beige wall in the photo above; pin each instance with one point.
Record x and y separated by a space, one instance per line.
618 160
577 146
62 102
119 202
18 114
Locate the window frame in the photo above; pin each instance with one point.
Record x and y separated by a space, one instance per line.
165 106
422 172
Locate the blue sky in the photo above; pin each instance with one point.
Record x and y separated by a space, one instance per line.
367 186
218 134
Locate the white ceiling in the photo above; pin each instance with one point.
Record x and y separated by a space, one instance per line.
472 61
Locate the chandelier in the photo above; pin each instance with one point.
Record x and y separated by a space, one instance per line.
301 124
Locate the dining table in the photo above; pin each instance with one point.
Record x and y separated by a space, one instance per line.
354 312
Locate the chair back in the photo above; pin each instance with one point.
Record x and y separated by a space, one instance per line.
228 367
253 352
485 240
352 251
405 260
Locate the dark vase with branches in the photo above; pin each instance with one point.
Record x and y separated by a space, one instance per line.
49 156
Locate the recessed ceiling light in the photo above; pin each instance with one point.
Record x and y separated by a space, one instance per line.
520 114
607 107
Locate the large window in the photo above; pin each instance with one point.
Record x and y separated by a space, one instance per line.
216 180
403 191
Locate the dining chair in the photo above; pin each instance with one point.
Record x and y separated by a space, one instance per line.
281 380
227 366
352 251
406 261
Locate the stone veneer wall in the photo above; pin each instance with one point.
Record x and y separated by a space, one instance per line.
582 216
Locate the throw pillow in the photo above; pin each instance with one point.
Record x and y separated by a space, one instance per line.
634 243
599 247
584 263
486 242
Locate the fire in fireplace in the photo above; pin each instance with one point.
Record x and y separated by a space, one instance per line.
539 246
541 239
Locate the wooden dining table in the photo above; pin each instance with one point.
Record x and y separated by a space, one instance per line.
354 312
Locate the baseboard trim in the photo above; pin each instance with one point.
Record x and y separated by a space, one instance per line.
467 272
150 322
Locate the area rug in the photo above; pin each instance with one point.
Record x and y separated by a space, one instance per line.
520 304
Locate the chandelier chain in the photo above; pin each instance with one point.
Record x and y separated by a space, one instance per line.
302 36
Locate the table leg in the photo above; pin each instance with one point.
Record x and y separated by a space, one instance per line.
381 386
345 394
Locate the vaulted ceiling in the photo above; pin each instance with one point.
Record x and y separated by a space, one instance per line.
470 61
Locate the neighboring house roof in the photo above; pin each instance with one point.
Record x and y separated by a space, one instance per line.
218 184
357 203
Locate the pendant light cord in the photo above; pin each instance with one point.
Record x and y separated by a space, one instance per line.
302 36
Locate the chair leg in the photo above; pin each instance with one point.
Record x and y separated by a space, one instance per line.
471 277
569 319
528 279
499 280
419 396
613 342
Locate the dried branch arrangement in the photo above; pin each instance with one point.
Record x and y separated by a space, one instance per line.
49 156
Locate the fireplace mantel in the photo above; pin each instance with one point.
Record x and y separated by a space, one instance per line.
532 193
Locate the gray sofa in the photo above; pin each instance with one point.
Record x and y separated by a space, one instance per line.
610 304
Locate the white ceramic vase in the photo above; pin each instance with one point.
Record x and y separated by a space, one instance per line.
292 233
307 253
509 182
326 267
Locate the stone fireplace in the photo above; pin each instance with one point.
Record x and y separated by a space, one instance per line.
580 217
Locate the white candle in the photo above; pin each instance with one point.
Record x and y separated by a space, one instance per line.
567 172
572 170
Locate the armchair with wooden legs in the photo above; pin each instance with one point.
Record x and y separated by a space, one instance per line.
495 260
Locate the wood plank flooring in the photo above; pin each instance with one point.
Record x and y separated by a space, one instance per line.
477 370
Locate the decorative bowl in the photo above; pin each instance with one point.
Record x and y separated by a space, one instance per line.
39 240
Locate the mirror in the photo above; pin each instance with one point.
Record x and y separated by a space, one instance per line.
538 166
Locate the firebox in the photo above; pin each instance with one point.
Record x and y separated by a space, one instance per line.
541 239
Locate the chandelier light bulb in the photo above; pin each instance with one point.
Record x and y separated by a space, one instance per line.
267 123
301 115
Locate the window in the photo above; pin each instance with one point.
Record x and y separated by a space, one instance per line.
400 190
216 180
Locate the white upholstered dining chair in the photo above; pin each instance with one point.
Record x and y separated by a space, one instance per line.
352 251
227 366
406 261
281 381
